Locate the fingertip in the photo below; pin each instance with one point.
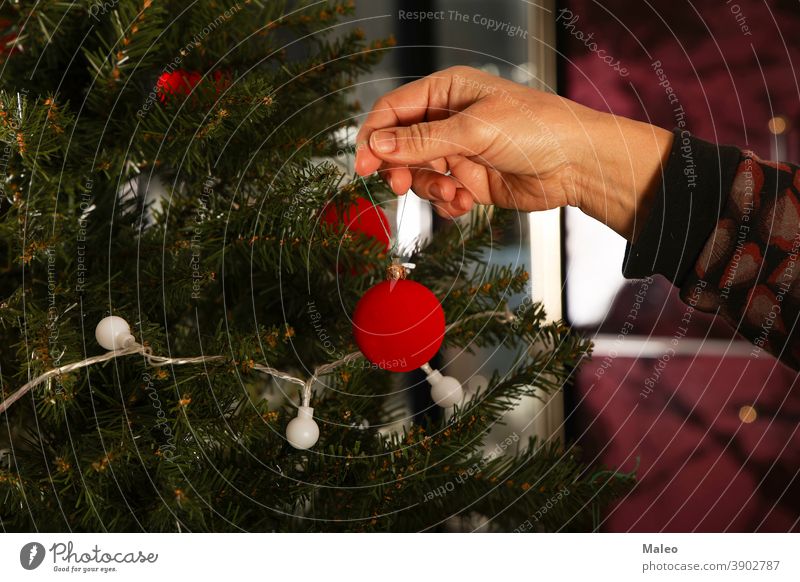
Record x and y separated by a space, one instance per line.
447 188
436 192
447 210
463 200
397 179
401 180
366 163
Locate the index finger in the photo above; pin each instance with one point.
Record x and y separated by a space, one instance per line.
428 99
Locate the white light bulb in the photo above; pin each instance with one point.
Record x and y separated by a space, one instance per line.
302 432
114 333
445 390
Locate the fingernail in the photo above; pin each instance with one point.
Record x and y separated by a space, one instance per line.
436 191
383 142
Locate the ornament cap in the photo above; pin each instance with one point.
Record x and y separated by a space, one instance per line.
396 271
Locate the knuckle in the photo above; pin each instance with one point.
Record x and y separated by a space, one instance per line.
462 70
419 178
456 123
382 104
418 136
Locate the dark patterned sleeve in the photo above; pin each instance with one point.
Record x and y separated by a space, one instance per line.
738 234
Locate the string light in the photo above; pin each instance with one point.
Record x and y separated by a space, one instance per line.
115 331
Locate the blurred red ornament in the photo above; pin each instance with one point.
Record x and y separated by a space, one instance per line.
181 82
7 38
399 325
362 216
177 82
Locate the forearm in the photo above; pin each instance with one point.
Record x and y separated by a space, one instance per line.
621 171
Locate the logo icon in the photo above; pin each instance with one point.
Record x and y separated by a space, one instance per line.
31 555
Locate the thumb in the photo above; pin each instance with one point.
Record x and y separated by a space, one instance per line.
425 142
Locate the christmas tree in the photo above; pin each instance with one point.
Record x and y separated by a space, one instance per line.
165 163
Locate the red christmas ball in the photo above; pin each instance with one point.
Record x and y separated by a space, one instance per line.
399 325
181 82
362 216
178 82
7 37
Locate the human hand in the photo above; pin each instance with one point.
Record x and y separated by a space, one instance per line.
507 144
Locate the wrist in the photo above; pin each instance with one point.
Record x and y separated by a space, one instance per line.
621 171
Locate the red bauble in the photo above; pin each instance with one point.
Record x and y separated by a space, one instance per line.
181 82
7 38
361 216
399 325
177 82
